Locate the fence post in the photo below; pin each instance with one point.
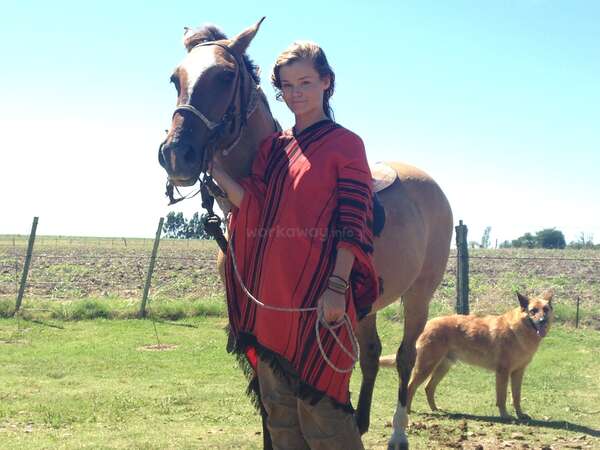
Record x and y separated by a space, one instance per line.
151 268
577 314
26 265
462 269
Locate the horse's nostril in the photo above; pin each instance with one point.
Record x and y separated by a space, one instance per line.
189 156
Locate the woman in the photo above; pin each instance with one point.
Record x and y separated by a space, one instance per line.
302 238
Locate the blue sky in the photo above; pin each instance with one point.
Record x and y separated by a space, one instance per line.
499 101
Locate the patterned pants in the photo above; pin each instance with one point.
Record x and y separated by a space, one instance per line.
295 424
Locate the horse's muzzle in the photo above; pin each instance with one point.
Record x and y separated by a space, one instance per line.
181 163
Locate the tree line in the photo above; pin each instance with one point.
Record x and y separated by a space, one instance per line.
176 226
550 238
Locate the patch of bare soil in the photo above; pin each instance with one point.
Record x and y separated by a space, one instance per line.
183 270
463 436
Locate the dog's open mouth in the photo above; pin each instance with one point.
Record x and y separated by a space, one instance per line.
541 329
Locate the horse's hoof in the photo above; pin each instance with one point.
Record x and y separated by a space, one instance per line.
399 446
363 428
362 424
398 443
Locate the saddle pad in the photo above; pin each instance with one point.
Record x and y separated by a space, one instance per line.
382 176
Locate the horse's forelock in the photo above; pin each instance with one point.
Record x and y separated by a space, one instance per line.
211 33
207 33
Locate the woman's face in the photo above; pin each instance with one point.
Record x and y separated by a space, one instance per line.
302 87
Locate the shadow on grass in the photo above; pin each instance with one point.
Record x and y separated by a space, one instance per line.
176 324
41 322
555 424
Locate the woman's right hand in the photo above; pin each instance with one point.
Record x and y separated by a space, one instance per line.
234 191
215 167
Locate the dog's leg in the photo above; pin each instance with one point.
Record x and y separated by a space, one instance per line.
416 379
370 347
501 388
516 381
440 372
428 358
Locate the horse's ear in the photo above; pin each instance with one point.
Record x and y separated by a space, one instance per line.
187 38
240 43
523 301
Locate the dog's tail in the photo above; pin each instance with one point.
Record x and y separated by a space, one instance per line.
387 361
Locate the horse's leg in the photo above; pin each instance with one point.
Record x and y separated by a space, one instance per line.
370 351
416 306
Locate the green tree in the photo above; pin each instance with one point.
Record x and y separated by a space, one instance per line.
528 240
550 238
175 226
195 227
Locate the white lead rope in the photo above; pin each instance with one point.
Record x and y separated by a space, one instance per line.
354 355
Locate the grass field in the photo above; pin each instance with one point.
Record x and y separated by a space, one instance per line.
92 385
70 382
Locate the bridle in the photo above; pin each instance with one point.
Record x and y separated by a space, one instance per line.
229 118
229 122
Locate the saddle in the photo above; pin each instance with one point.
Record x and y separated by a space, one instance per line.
382 177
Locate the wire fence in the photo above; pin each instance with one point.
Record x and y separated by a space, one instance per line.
72 268
64 268
494 276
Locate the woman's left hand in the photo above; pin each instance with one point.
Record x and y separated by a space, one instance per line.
333 306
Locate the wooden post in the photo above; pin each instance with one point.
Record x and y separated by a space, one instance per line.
26 265
151 267
462 269
577 314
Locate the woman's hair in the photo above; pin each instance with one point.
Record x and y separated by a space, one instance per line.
310 51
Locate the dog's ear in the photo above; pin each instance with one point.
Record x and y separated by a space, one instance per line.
523 300
548 296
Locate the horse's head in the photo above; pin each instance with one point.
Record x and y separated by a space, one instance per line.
215 84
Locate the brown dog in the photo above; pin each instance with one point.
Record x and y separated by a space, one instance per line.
504 344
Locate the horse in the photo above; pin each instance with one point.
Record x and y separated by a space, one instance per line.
223 114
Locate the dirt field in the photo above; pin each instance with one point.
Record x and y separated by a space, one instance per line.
73 268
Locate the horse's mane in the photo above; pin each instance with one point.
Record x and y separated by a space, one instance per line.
210 33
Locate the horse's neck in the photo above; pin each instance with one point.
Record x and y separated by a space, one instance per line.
261 124
238 162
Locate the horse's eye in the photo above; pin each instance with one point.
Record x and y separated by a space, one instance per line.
226 76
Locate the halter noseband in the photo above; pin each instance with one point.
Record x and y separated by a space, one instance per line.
188 107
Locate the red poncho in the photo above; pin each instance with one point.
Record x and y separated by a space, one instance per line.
308 195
